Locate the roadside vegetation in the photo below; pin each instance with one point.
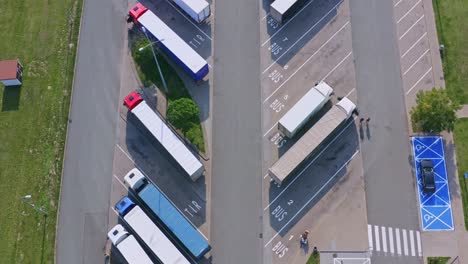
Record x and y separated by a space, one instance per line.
149 75
314 259
451 21
33 122
437 260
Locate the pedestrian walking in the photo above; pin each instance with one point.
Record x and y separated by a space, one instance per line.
361 120
367 120
304 239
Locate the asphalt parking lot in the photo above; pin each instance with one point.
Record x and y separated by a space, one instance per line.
314 45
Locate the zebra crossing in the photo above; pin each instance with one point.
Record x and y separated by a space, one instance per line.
394 241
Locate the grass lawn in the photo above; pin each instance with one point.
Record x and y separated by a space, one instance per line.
437 260
314 259
451 21
33 121
149 74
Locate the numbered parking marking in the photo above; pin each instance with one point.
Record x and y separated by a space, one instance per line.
278 140
193 208
272 23
280 249
275 48
197 41
275 76
279 213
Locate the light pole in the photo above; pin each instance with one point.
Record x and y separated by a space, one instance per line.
25 199
155 59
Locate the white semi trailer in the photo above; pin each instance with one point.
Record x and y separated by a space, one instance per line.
128 246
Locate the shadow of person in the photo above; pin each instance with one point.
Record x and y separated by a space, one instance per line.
361 131
368 131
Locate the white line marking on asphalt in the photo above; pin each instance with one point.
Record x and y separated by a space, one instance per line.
415 23
412 65
424 75
350 92
397 3
315 53
276 123
300 174
377 238
369 237
418 241
409 11
263 18
117 178
114 211
390 239
287 22
384 239
189 20
126 154
299 39
266 175
417 41
405 242
398 241
413 251
321 188
338 65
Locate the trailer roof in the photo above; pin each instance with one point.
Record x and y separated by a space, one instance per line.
305 106
282 5
172 41
168 139
8 69
308 143
196 5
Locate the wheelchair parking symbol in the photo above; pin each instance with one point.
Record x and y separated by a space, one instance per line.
428 217
419 147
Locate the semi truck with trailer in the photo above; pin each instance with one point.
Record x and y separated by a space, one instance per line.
167 213
164 135
172 45
304 109
153 237
311 141
198 10
128 246
282 10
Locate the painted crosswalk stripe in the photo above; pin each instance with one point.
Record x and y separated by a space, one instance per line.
405 242
413 251
418 240
398 241
390 239
377 238
369 236
384 239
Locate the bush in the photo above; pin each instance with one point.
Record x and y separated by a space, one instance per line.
195 135
183 113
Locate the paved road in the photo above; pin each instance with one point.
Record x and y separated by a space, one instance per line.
86 184
390 189
236 176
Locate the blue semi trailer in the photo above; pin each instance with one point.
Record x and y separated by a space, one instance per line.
167 213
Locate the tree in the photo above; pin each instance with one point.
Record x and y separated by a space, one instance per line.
182 113
434 111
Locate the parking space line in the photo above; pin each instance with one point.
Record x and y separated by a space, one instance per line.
350 92
120 181
315 53
377 238
390 238
114 211
405 242
270 129
398 241
189 20
422 77
413 251
308 165
415 23
287 22
412 65
384 239
321 188
397 3
338 65
409 11
418 241
299 39
369 237
263 18
412 46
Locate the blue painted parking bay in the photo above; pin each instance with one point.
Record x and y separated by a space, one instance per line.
436 209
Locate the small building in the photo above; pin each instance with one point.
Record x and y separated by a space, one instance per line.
11 72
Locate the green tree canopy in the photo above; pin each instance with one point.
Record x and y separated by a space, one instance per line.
182 113
434 111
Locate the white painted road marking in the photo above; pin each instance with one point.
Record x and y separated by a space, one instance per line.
413 251
415 23
299 39
405 242
300 174
321 188
418 240
420 79
384 239
390 238
338 65
369 237
398 241
412 46
377 238
412 65
409 11
397 3
189 20
315 53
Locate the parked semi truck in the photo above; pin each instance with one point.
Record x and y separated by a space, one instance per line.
128 246
304 109
311 141
167 213
164 135
174 46
198 10
149 233
281 10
